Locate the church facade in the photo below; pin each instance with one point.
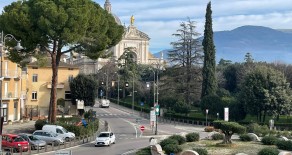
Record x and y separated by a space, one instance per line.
133 39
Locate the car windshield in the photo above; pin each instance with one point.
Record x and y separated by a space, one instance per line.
33 137
17 139
104 135
54 134
64 130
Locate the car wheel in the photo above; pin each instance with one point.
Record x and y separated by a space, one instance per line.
67 139
55 143
114 142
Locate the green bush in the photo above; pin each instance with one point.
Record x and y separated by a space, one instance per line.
180 139
269 151
284 145
192 137
144 151
217 136
167 141
91 128
269 140
245 138
260 130
39 124
172 148
201 151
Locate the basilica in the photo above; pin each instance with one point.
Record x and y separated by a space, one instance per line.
133 38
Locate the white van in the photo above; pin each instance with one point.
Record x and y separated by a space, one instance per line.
104 103
60 131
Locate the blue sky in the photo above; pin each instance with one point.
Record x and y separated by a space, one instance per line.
161 18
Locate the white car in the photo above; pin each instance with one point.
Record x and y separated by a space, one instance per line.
105 139
104 103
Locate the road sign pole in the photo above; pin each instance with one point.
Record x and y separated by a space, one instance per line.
156 113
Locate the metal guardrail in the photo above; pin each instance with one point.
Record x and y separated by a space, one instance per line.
75 142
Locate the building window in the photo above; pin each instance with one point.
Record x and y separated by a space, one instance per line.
34 78
70 78
34 95
67 95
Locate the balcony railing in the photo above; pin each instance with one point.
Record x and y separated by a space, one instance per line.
59 85
10 95
10 73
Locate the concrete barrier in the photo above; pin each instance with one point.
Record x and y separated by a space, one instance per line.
254 137
285 153
189 152
156 150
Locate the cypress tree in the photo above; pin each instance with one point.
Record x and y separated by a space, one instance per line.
209 84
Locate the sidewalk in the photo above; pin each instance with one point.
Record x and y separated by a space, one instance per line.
25 127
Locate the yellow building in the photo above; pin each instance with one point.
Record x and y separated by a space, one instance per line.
13 90
39 87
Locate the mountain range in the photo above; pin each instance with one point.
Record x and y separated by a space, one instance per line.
264 44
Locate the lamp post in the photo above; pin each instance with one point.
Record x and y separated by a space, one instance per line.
133 96
17 47
118 87
106 85
217 115
207 110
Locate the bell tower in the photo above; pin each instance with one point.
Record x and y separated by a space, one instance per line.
108 6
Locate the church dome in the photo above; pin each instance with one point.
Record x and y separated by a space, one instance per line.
117 19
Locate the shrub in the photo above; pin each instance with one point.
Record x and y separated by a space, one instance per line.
284 145
258 129
167 141
192 137
201 151
144 151
180 139
209 129
172 148
269 151
245 137
39 124
269 140
217 136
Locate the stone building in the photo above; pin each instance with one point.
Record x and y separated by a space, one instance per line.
132 38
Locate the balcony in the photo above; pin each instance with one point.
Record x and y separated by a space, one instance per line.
59 85
10 73
9 95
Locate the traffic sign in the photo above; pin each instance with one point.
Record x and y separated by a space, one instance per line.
157 109
142 128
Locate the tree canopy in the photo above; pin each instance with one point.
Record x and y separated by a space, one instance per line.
55 27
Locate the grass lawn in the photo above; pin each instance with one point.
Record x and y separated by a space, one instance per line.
250 148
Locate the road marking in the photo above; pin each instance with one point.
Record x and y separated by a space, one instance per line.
133 125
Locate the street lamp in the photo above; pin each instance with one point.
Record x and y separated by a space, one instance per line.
217 116
133 95
118 88
18 47
106 85
207 110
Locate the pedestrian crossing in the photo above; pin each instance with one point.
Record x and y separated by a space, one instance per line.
109 114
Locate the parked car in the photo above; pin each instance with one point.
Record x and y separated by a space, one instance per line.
60 131
35 143
104 103
17 143
49 137
105 138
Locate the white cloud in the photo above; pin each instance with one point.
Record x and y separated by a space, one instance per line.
161 18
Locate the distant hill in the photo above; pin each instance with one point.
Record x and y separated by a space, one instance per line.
265 44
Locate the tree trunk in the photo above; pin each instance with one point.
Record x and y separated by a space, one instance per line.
227 139
265 113
53 100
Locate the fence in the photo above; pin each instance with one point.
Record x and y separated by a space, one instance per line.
35 112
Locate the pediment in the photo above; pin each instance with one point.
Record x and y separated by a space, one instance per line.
133 33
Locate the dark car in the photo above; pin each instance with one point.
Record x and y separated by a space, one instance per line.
15 142
34 142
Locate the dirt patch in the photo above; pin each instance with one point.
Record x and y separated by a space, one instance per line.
215 148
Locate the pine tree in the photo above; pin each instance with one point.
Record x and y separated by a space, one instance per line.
209 84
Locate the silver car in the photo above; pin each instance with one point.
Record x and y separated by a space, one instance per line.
49 137
34 142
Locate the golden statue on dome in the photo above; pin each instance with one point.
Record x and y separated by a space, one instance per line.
132 20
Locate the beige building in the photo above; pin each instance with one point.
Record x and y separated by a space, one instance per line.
133 38
13 90
39 87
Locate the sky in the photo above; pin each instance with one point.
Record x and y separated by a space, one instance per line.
161 18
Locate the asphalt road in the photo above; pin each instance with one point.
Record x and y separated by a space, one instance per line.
123 123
